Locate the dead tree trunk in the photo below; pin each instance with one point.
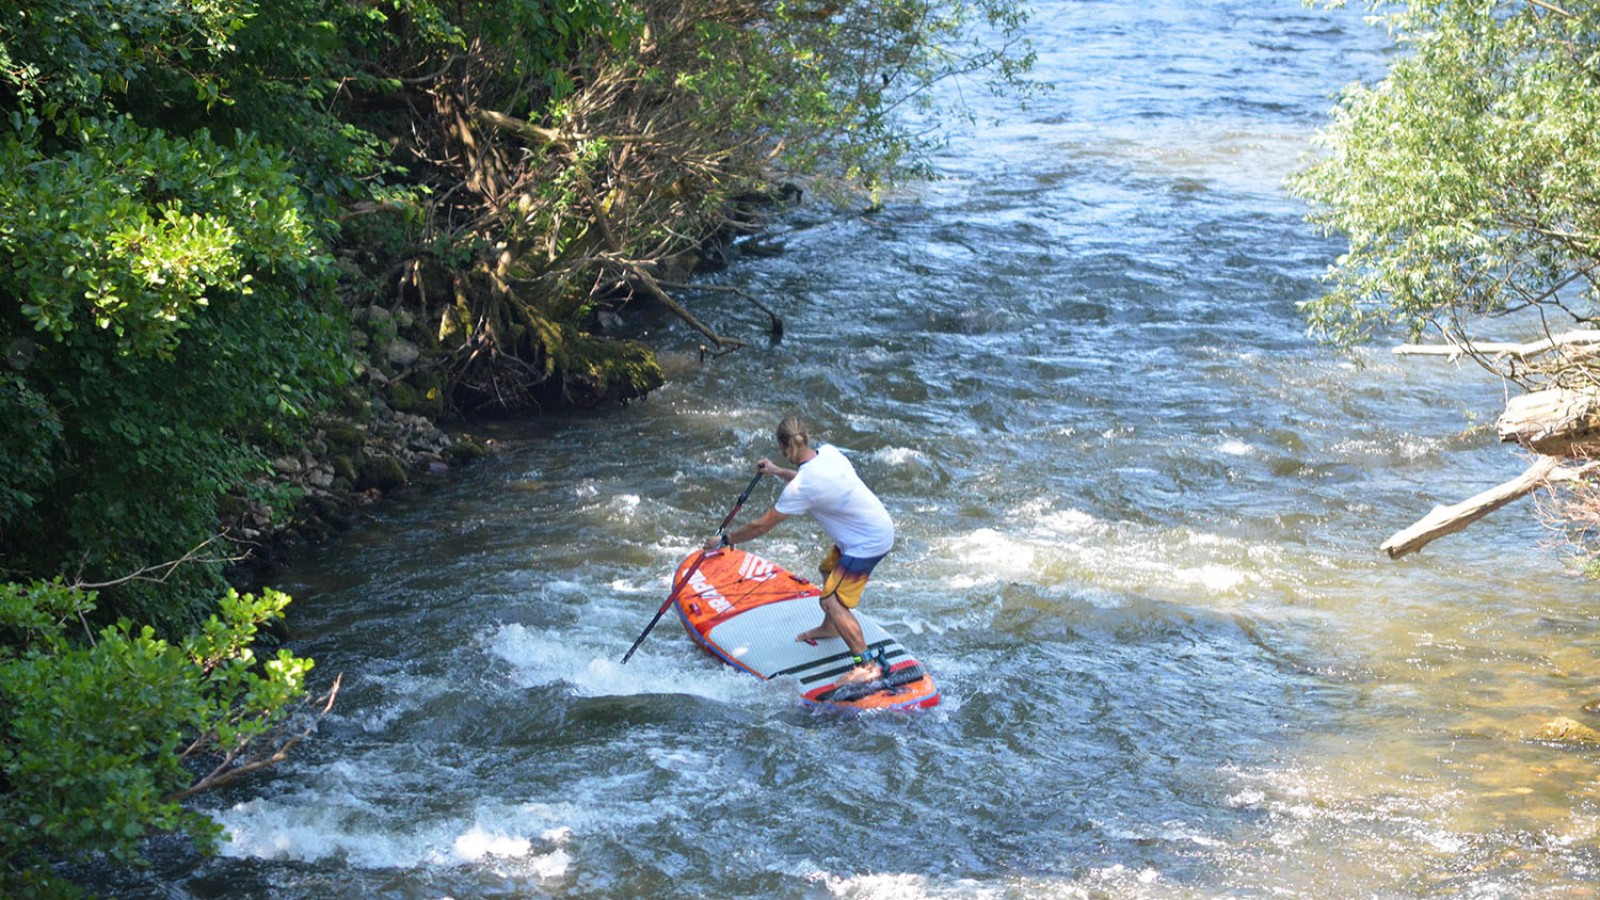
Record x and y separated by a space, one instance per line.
1445 520
1555 422
1583 341
1561 425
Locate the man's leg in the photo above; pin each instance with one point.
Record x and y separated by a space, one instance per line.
844 624
841 592
830 584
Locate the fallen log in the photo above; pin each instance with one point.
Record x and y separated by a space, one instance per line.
776 329
1585 338
643 278
1445 520
1554 422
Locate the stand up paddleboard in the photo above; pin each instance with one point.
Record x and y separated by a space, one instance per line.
746 612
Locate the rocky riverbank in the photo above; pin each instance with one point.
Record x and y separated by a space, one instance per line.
390 429
350 462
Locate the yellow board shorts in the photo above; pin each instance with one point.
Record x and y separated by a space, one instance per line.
846 576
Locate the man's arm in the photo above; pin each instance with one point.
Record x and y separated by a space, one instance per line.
750 531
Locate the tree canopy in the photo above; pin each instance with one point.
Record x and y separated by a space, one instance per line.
1467 181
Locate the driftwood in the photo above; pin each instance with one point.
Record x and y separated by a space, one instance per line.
1445 520
777 323
1585 339
654 289
1554 422
1561 425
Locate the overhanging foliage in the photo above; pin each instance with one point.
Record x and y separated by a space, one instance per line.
1467 181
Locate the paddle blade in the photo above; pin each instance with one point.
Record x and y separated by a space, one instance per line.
665 605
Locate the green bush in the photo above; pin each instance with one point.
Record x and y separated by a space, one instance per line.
98 732
171 309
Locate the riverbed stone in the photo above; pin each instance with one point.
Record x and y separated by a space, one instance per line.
344 436
402 353
464 449
1563 730
382 472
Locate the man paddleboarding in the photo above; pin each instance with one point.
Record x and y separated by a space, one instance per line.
824 484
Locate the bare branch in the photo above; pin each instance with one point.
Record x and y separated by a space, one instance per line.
539 134
165 569
654 289
1454 351
1551 7
777 323
1445 520
225 772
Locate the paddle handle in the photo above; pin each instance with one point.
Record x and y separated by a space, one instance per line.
738 504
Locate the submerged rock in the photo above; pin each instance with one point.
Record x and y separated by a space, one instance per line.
1567 731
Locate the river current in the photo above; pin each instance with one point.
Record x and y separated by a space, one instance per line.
1138 514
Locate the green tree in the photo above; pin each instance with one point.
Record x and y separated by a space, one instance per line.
568 167
1467 181
168 313
168 320
104 734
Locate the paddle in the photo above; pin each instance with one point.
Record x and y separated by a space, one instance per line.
700 558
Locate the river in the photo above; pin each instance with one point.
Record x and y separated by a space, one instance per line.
1138 512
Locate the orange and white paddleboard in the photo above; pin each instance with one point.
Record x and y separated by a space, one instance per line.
746 611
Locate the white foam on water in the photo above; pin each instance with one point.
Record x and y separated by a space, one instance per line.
1125 876
990 556
560 587
900 886
1217 579
1116 880
1250 798
403 693
338 827
1176 831
477 843
1049 547
623 508
542 657
1409 449
1065 525
1236 448
898 456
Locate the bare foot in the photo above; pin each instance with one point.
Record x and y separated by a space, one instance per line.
811 636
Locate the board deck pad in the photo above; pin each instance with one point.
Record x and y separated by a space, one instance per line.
746 611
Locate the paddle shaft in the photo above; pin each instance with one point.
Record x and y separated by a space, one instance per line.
678 586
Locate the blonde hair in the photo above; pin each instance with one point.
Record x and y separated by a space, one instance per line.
790 430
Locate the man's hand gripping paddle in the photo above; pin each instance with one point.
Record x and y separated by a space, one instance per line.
700 558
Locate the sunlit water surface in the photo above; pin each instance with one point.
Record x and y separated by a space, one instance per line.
1138 513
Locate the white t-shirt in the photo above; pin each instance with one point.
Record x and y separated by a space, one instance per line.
828 488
